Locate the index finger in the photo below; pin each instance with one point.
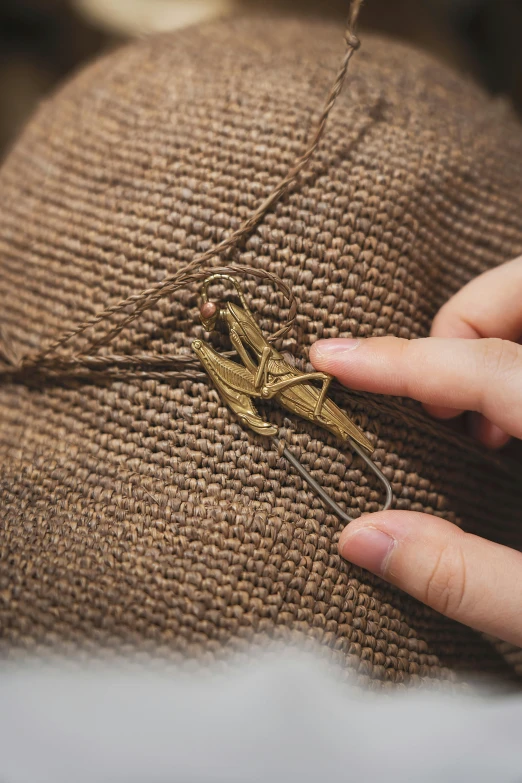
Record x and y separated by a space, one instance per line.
477 375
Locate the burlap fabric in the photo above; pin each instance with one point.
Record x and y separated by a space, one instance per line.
135 512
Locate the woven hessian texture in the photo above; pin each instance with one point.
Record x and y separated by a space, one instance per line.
138 514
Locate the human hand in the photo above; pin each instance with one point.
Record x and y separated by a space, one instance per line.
471 362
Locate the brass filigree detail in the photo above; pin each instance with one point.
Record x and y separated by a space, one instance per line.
265 374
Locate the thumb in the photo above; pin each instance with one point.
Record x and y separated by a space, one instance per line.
464 577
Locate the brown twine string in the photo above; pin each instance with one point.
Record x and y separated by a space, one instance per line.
194 270
176 368
48 363
48 359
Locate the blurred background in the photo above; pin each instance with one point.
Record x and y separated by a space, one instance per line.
42 41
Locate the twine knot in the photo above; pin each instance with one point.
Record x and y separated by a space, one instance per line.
352 40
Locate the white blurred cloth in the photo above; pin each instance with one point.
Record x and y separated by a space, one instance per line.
282 717
139 17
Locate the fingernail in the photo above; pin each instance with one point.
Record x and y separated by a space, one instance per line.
368 548
335 346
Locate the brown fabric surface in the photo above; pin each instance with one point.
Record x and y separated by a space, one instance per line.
136 513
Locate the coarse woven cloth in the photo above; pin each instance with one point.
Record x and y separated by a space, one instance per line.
136 513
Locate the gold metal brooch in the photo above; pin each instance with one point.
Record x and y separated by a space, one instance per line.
266 375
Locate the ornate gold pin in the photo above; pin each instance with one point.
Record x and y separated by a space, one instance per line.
266 375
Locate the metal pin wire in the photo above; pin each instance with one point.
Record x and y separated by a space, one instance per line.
321 492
